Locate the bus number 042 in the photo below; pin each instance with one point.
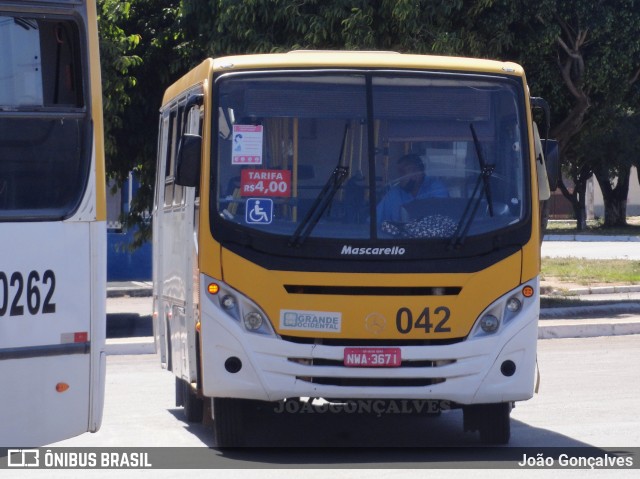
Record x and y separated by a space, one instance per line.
34 292
405 321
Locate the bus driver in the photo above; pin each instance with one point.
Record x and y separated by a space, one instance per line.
412 184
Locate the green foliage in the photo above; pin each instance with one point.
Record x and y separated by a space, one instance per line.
133 91
162 51
116 62
584 58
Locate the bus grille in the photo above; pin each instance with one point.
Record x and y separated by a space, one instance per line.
367 343
369 381
372 382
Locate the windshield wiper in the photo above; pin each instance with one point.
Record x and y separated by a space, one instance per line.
322 201
486 170
310 220
471 208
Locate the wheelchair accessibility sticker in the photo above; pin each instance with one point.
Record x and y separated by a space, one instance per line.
259 211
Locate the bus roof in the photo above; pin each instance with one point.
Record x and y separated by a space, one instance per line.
340 59
362 59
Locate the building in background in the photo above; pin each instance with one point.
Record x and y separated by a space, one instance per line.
123 264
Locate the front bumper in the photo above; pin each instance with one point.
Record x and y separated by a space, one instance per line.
272 369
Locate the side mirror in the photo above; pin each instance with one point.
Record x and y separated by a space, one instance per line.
552 162
188 160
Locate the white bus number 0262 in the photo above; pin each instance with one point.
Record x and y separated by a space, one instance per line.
405 320
35 292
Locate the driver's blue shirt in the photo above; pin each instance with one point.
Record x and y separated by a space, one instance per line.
389 209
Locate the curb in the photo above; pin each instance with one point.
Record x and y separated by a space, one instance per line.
604 290
590 238
130 346
593 310
549 292
585 328
133 291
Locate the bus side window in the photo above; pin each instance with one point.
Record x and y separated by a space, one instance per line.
190 150
170 158
178 190
187 122
163 129
60 64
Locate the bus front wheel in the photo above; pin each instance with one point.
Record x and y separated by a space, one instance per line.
228 421
492 421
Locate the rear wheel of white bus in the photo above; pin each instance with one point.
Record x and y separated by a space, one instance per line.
188 399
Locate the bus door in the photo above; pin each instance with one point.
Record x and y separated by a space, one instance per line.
175 243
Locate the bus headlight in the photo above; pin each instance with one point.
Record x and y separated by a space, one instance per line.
253 321
239 308
228 302
514 304
507 309
489 323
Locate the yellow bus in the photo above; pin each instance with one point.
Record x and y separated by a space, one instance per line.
348 226
52 222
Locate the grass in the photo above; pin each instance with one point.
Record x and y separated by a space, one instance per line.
583 271
594 227
586 272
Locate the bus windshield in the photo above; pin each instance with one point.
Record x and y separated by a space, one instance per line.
44 124
369 157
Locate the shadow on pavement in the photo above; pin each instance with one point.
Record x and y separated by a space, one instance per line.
128 325
280 439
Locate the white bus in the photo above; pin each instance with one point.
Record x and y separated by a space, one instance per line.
52 222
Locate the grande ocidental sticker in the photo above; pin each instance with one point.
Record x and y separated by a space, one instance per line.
317 321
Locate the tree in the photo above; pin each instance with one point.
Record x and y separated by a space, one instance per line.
615 151
598 55
225 27
582 56
159 25
116 62
133 115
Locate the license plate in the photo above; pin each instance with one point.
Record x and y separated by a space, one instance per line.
372 357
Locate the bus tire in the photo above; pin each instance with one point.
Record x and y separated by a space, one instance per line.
192 405
169 349
228 422
492 421
495 423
